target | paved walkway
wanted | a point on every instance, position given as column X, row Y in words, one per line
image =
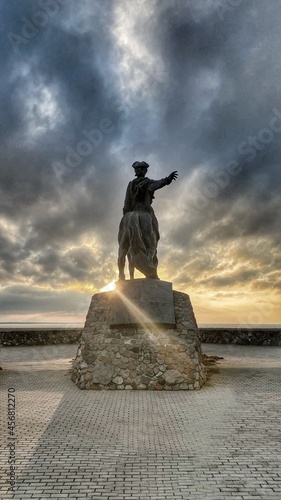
column 222, row 442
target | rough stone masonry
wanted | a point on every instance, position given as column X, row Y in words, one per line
column 140, row 356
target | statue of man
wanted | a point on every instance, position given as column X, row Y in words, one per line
column 140, row 192
column 139, row 232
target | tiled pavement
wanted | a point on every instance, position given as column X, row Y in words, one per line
column 222, row 442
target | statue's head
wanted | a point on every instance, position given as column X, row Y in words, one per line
column 140, row 168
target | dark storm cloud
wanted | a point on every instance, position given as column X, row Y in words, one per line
column 15, row 299
column 198, row 99
column 54, row 90
column 241, row 125
column 9, row 254
column 64, row 63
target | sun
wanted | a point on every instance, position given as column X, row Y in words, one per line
column 109, row 288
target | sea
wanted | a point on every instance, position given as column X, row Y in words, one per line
column 46, row 326
column 62, row 326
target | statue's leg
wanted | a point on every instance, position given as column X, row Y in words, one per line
column 121, row 266
column 155, row 259
column 131, row 265
column 151, row 250
column 122, row 252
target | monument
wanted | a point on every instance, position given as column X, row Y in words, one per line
column 142, row 335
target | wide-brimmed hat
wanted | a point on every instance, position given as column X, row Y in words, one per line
column 141, row 164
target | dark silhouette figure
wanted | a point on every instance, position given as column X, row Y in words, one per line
column 139, row 231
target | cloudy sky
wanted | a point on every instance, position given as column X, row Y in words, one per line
column 89, row 87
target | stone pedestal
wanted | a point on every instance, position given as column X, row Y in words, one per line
column 128, row 343
column 143, row 301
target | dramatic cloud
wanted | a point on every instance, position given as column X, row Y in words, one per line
column 89, row 87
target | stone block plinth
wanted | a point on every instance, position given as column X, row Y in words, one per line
column 143, row 302
column 154, row 355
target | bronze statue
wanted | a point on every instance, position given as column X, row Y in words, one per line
column 138, row 231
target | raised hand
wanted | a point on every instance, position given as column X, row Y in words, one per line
column 172, row 177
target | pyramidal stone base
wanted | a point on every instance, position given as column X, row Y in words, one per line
column 142, row 336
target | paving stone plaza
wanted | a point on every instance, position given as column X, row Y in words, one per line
column 222, row 442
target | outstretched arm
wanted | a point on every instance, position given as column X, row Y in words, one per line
column 154, row 185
